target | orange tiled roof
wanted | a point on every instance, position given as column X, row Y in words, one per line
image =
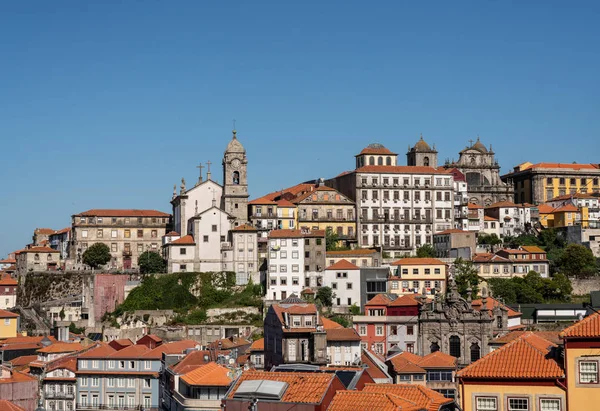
column 407, row 300
column 418, row 261
column 172, row 234
column 101, row 351
column 472, row 206
column 422, row 396
column 6, row 405
column 438, row 359
column 211, row 374
column 44, row 231
column 504, row 204
column 8, row 261
column 488, row 218
column 403, row 365
column 230, row 343
column 16, row 376
column 361, row 400
column 487, row 257
column 453, row 231
column 7, row 314
column 552, row 336
column 401, row 170
column 37, row 250
column 61, row 347
column 569, row 208
column 264, row 200
column 356, row 252
column 575, row 195
column 70, row 363
column 375, row 150
column 589, row 327
column 372, row 369
column 28, row 339
column 185, row 240
column 379, row 299
column 122, row 213
column 195, row 359
column 342, row 334
column 343, row 265
column 545, row 209
column 175, row 347
column 285, row 203
column 534, row 249
column 562, row 166
column 523, row 358
column 244, row 227
column 329, row 324
column 258, row 345
column 6, row 279
column 491, row 304
column 133, row 351
column 305, row 388
column 23, row 360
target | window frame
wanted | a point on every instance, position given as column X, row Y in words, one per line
column 490, row 397
column 585, row 360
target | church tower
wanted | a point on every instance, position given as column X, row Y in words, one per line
column 421, row 154
column 235, row 181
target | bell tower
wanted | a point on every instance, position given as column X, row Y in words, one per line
column 235, row 181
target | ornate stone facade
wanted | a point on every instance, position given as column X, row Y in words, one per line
column 235, row 181
column 482, row 172
column 454, row 326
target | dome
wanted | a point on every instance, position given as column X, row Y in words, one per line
column 421, row 145
column 234, row 145
column 375, row 145
column 479, row 146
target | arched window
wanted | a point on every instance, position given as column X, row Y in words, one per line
column 434, row 347
column 380, row 161
column 426, row 161
column 455, row 346
column 371, row 161
column 475, row 352
column 388, row 161
column 236, row 177
column 36, row 257
column 49, row 258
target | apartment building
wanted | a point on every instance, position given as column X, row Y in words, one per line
column 8, row 291
column 418, row 275
column 514, row 219
column 343, row 278
column 362, row 257
column 127, row 233
column 398, row 207
column 37, row 259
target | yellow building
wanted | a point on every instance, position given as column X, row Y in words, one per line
column 9, row 324
column 566, row 216
column 413, row 275
column 582, row 363
column 525, row 374
column 546, row 214
column 541, row 182
column 326, row 208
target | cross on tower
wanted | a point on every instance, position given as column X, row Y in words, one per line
column 208, row 163
column 200, row 166
column 470, row 142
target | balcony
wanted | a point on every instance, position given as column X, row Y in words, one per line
column 59, row 395
column 196, row 403
column 306, row 218
column 397, row 246
column 90, row 407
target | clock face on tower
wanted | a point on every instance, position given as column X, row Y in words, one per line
column 235, row 163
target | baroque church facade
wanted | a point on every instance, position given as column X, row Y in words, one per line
column 482, row 172
column 210, row 221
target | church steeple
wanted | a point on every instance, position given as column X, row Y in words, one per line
column 235, row 183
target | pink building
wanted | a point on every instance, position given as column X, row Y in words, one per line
column 109, row 292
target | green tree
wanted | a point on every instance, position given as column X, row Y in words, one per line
column 577, row 260
column 96, row 255
column 73, row 329
column 354, row 309
column 489, row 239
column 325, row 296
column 503, row 289
column 426, row 251
column 341, row 320
column 151, row 262
column 331, row 239
column 466, row 276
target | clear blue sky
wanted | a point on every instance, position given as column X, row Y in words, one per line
column 108, row 104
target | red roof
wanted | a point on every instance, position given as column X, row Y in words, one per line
column 567, row 166
column 211, row 374
column 244, row 227
column 44, row 231
column 545, row 209
column 438, row 359
column 343, row 265
column 491, row 304
column 285, row 203
column 356, row 252
column 69, row 363
column 375, row 150
column 7, row 314
column 61, row 347
column 552, row 336
column 172, row 234
column 372, row 369
column 175, row 347
column 23, row 360
column 258, row 345
column 569, row 208
column 453, row 231
column 185, row 240
column 505, row 204
column 6, row 405
column 102, row 351
column 329, row 324
column 37, row 250
column 424, row 397
column 6, row 279
column 122, row 213
column 305, row 388
column 401, row 170
column 361, row 400
column 526, row 357
column 407, row 300
column 472, row 206
column 342, row 334
column 8, row 261
column 418, row 261
column 589, row 327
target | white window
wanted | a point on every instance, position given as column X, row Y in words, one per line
column 550, row 404
column 111, row 382
column 84, row 233
column 146, row 382
column 295, row 244
column 379, row 330
column 147, row 401
column 113, row 233
column 84, row 381
column 362, row 330
column 295, row 268
column 83, row 364
column 95, row 381
column 394, row 285
column 84, row 400
column 7, row 321
column 284, row 254
column 588, row 372
column 147, row 365
column 94, row 363
column 295, row 254
column 518, row 404
column 111, row 364
column 486, row 404
column 130, row 382
column 121, row 382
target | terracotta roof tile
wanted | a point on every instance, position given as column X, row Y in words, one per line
column 16, row 376
column 23, row 360
column 407, row 300
column 360, row 400
column 196, row 359
column 285, row 203
column 401, row 170
column 6, row 405
column 185, row 240
column 211, row 374
column 293, row 309
column 589, row 327
column 7, row 314
column 552, row 336
column 258, row 345
column 306, row 388
column 504, row 204
column 545, row 209
column 422, row 396
column 175, row 347
column 375, row 150
column 264, row 200
column 172, row 234
column 21, row 346
column 569, row 208
column 8, row 261
column 487, row 257
column 525, row 357
column 453, row 231
column 533, row 249
column 372, row 369
column 567, row 166
column 418, row 261
column 37, row 250
column 343, row 265
column 575, row 195
column 44, row 231
column 491, row 304
column 379, row 299
column 472, row 206
column 438, row 359
column 342, row 334
column 329, row 324
column 122, row 213
column 488, row 218
column 6, row 279
column 101, row 351
column 61, row 347
column 244, row 227
column 69, row 363
column 403, row 365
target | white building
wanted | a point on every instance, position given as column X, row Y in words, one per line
column 514, row 219
column 491, row 225
column 193, row 201
column 210, row 230
column 398, row 207
column 343, row 278
column 461, row 200
column 181, row 255
column 476, row 217
column 286, row 264
column 343, row 346
column 244, row 250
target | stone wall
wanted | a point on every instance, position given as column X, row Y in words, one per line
column 35, row 288
column 215, row 312
column 583, row 286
